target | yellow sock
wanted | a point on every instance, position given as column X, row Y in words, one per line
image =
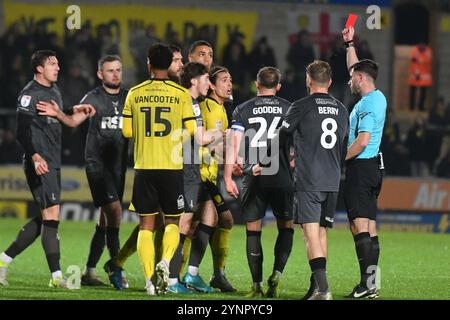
column 159, row 234
column 170, row 241
column 128, row 249
column 219, row 247
column 186, row 253
column 146, row 252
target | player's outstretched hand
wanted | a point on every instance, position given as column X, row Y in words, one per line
column 85, row 108
column 232, row 188
column 348, row 34
column 46, row 108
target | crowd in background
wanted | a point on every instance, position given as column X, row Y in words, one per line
column 422, row 149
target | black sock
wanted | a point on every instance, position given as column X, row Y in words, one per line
column 50, row 243
column 255, row 255
column 199, row 243
column 375, row 253
column 112, row 241
column 375, row 250
column 283, row 248
column 363, row 245
column 175, row 263
column 25, row 237
column 319, row 272
column 97, row 244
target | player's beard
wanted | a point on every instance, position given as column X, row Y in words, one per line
column 110, row 85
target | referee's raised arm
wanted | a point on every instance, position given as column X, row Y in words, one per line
column 352, row 58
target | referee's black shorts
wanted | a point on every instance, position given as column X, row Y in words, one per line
column 46, row 189
column 363, row 180
column 106, row 182
column 158, row 189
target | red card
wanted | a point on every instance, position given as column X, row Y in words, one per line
column 351, row 20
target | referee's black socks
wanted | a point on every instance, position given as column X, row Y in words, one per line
column 255, row 255
column 375, row 250
column 363, row 245
column 50, row 243
column 319, row 272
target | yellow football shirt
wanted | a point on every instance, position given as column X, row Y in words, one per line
column 155, row 113
column 214, row 118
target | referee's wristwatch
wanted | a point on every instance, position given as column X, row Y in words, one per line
column 349, row 44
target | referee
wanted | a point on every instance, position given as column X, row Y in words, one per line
column 364, row 176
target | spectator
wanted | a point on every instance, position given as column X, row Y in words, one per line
column 10, row 151
column 262, row 55
column 420, row 74
column 417, row 144
column 300, row 54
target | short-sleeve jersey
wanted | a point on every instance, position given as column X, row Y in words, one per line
column 319, row 123
column 259, row 119
column 158, row 108
column 104, row 138
column 369, row 115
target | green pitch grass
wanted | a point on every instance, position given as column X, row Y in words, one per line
column 413, row 266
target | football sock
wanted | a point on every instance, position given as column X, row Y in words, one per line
column 375, row 253
column 199, row 243
column 158, row 239
column 186, row 253
column 170, row 241
column 112, row 241
column 146, row 252
column 283, row 247
column 255, row 255
column 375, row 250
column 175, row 263
column 25, row 237
column 96, row 248
column 363, row 245
column 219, row 249
column 319, row 272
column 50, row 243
column 128, row 248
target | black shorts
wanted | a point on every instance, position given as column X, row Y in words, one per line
column 155, row 190
column 315, row 207
column 46, row 189
column 191, row 196
column 106, row 182
column 363, row 181
column 256, row 199
column 209, row 191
